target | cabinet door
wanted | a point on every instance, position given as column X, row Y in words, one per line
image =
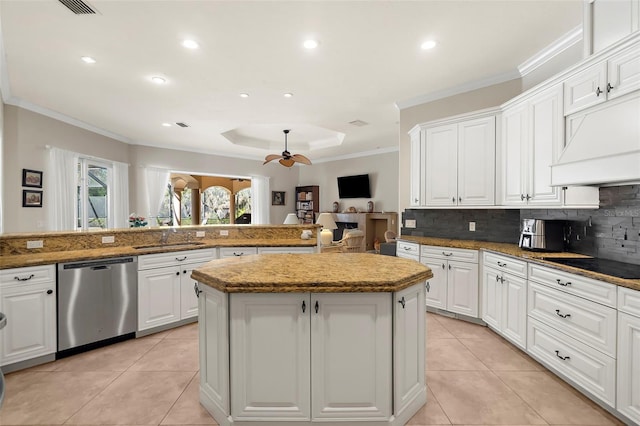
column 612, row 21
column 462, row 288
column 441, row 164
column 492, row 298
column 624, row 72
column 514, row 310
column 158, row 297
column 513, row 151
column 351, row 356
column 476, row 162
column 586, row 88
column 628, row 399
column 270, row 356
column 31, row 322
column 436, row 287
column 546, row 132
column 188, row 298
column 213, row 331
column 408, row 346
column 416, row 169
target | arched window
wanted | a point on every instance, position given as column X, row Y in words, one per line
column 216, row 205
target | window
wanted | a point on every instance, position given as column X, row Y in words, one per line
column 243, row 202
column 93, row 194
column 216, row 205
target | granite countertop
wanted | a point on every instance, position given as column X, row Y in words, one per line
column 320, row 273
column 531, row 256
column 46, row 258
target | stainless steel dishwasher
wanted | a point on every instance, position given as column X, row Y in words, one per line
column 97, row 303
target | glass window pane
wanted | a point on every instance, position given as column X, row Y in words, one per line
column 97, row 199
column 216, row 205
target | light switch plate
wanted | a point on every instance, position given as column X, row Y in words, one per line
column 472, row 226
column 410, row 223
column 199, row 234
column 108, row 239
column 224, row 232
column 35, row 244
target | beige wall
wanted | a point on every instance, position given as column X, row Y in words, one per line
column 487, row 97
column 2, row 169
column 555, row 65
column 383, row 180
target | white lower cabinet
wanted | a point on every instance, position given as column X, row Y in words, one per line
column 454, row 286
column 628, row 395
column 28, row 299
column 504, row 301
column 347, row 338
column 236, row 251
column 165, row 287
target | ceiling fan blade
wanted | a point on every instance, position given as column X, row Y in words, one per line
column 271, row 157
column 287, row 162
column 301, row 159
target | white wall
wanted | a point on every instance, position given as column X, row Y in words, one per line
column 2, row 169
column 383, row 179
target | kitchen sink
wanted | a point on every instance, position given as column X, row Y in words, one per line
column 168, row 246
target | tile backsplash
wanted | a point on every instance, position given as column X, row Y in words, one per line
column 610, row 232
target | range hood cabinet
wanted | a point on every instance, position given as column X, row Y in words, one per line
column 602, row 145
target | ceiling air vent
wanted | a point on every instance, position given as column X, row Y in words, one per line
column 78, row 7
column 358, row 123
column 182, row 124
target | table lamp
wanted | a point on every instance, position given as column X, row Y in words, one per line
column 291, row 219
column 328, row 225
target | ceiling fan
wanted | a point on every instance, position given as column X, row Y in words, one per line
column 286, row 159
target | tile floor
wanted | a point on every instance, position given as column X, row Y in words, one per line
column 474, row 377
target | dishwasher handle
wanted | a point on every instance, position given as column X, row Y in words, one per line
column 98, row 268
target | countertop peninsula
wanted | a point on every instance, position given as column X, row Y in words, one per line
column 320, row 273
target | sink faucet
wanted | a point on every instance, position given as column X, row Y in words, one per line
column 165, row 235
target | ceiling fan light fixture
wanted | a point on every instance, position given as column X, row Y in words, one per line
column 286, row 158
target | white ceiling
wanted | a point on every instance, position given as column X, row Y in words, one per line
column 368, row 59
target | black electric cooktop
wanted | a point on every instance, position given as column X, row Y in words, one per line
column 602, row 266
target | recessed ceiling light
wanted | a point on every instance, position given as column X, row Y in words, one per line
column 166, row 124
column 430, row 44
column 190, row 44
column 288, row 95
column 244, row 95
column 88, row 60
column 310, row 44
column 158, row 80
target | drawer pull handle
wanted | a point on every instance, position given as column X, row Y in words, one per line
column 317, row 306
column 407, row 248
column 502, row 265
column 24, row 279
column 238, row 254
column 443, row 266
column 447, row 254
column 180, row 259
column 428, row 286
column 304, row 307
column 564, row 358
column 402, row 302
column 562, row 316
column 497, row 278
column 563, row 284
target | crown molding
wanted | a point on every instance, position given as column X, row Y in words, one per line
column 545, row 55
column 456, row 90
column 357, row 155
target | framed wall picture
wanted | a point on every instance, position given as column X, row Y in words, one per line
column 31, row 198
column 277, row 198
column 32, row 178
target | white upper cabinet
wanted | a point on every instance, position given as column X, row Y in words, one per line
column 460, row 163
column 417, row 168
column 611, row 20
column 513, row 151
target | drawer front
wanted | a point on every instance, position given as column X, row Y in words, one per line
column 29, row 275
column 594, row 290
column 237, row 251
column 629, row 301
column 505, row 264
column 594, row 371
column 149, row 261
column 460, row 255
column 589, row 322
column 408, row 250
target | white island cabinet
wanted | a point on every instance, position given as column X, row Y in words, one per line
column 303, row 357
column 628, row 395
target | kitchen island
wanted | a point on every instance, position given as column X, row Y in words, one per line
column 312, row 338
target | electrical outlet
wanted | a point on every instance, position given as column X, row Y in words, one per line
column 224, row 232
column 109, row 239
column 199, row 234
column 35, row 244
column 472, row 226
column 410, row 223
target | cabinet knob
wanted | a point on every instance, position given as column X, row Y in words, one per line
column 402, row 302
column 598, row 91
column 497, row 278
column 428, row 286
column 49, row 291
column 521, row 197
column 449, row 267
column 197, row 290
column 443, row 266
column 453, row 199
column 178, row 273
column 304, row 307
column 415, row 200
column 528, row 197
column 317, row 306
column 609, row 87
column 184, row 272
column 459, row 199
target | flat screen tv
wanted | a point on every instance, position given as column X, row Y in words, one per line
column 354, row 186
